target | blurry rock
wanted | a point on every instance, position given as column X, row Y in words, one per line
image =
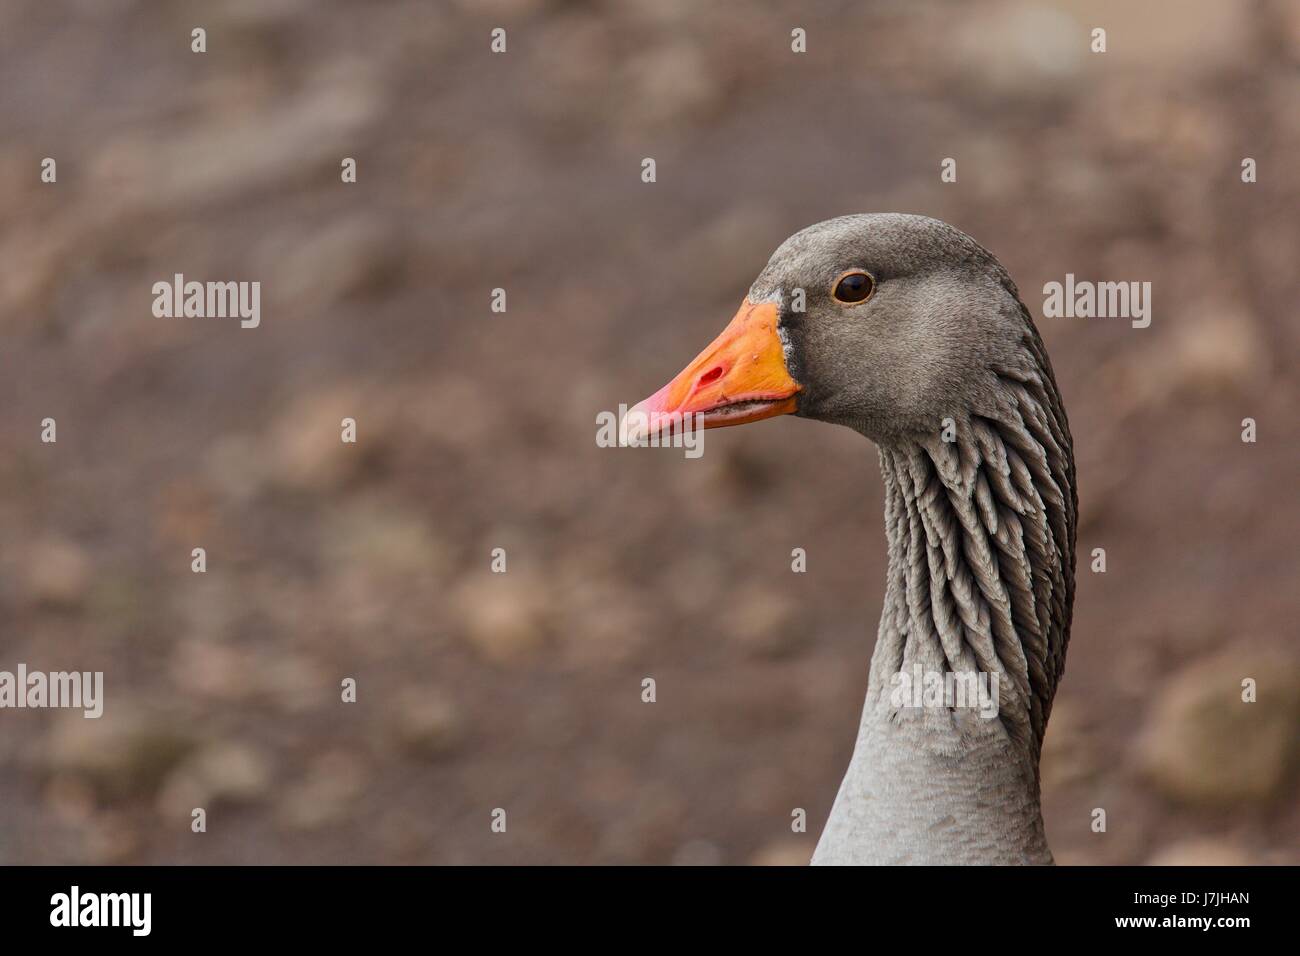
column 122, row 754
column 1217, row 352
column 220, row 772
column 1203, row 745
column 57, row 573
column 504, row 615
column 784, row 853
column 1220, row 352
column 305, row 447
column 764, row 622
column 426, row 723
column 325, row 796
column 1202, row 851
column 1018, row 49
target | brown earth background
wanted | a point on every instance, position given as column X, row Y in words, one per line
column 476, row 430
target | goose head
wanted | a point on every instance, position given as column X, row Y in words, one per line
column 885, row 323
column 908, row 331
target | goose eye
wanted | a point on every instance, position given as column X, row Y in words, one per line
column 854, row 287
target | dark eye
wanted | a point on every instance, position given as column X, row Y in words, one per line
column 854, row 287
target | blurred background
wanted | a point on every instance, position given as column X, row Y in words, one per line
column 476, row 430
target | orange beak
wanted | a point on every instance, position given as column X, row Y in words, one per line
column 741, row 377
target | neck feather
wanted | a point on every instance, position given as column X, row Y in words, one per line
column 981, row 534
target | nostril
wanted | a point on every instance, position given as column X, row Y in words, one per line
column 712, row 375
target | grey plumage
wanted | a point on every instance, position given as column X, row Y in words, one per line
column 981, row 530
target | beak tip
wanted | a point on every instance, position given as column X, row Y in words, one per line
column 635, row 425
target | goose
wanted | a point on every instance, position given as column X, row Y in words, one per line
column 906, row 330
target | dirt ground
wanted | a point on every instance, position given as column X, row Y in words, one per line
column 476, row 429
